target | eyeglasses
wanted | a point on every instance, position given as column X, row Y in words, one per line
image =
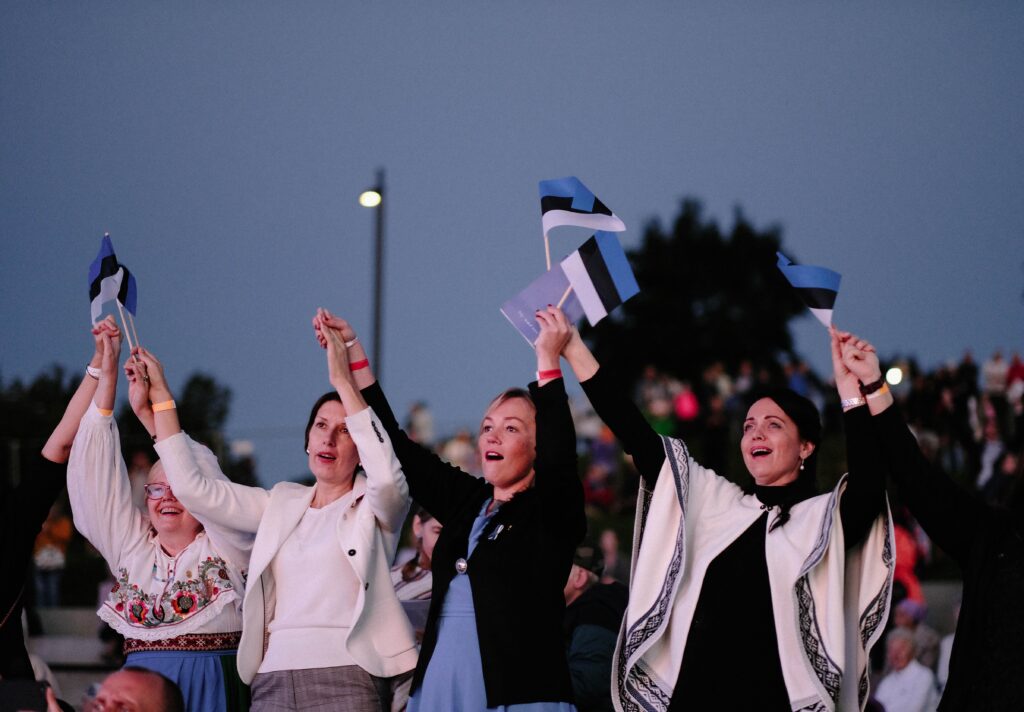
column 157, row 491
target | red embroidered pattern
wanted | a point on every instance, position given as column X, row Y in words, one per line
column 190, row 642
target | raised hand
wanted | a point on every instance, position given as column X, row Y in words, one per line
column 337, row 356
column 860, row 358
column 555, row 333
column 107, row 337
column 324, row 319
column 149, row 367
column 138, row 394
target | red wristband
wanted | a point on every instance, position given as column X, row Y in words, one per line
column 356, row 365
column 549, row 374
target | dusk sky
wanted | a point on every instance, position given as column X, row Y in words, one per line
column 223, row 146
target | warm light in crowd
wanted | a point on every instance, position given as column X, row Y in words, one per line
column 894, row 376
column 369, row 199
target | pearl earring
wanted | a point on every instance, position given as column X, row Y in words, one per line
column 801, row 463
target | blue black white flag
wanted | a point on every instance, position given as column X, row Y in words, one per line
column 600, row 275
column 817, row 286
column 128, row 293
column 566, row 201
column 104, row 278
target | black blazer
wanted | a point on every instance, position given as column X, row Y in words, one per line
column 518, row 577
column 22, row 513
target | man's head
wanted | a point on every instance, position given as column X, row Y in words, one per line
column 137, row 689
column 587, row 564
column 900, row 648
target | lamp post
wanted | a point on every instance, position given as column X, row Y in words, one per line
column 374, row 198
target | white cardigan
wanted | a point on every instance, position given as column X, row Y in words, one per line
column 380, row 640
column 830, row 604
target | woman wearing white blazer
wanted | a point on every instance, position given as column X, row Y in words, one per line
column 322, row 627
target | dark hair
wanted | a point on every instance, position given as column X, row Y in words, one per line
column 171, row 699
column 805, row 416
column 419, row 511
column 329, row 396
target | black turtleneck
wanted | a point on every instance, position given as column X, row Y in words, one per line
column 731, row 660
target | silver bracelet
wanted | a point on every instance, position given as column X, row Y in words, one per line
column 851, row 403
column 94, row 372
column 350, row 344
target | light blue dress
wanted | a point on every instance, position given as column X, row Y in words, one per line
column 454, row 678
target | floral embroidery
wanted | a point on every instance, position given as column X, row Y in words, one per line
column 182, row 599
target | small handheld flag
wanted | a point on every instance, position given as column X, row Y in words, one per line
column 817, row 286
column 600, row 275
column 104, row 278
column 566, row 201
column 128, row 293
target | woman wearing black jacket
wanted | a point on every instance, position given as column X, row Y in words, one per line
column 988, row 542
column 502, row 559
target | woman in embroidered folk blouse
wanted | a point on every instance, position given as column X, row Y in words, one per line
column 493, row 638
column 737, row 597
column 323, row 628
column 179, row 579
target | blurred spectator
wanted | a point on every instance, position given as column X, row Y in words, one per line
column 419, row 424
column 136, row 689
column 991, row 451
column 616, row 564
column 945, row 650
column 1000, row 490
column 460, row 451
column 50, row 556
column 909, row 615
column 908, row 686
column 908, row 551
column 593, row 615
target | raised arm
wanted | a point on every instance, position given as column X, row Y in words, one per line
column 617, row 411
column 435, row 484
column 386, row 490
column 58, row 446
column 854, row 362
column 197, row 481
column 557, row 477
column 98, row 486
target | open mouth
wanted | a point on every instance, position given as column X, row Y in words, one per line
column 760, row 452
column 325, row 457
column 493, row 456
column 169, row 511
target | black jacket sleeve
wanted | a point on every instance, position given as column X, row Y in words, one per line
column 22, row 513
column 435, row 484
column 626, row 421
column 948, row 514
column 864, row 497
column 556, row 476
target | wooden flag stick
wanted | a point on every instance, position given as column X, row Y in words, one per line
column 547, row 252
column 131, row 321
column 124, row 325
column 564, row 296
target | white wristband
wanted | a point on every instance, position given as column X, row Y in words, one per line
column 94, row 372
column 350, row 344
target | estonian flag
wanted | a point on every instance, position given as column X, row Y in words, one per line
column 817, row 286
column 600, row 275
column 104, row 278
column 110, row 280
column 566, row 201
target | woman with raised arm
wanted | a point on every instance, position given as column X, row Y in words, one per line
column 179, row 578
column 24, row 508
column 493, row 636
column 323, row 628
column 737, row 595
column 988, row 542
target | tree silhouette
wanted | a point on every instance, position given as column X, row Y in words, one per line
column 705, row 296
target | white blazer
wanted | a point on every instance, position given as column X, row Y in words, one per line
column 380, row 640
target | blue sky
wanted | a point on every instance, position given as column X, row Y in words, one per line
column 223, row 146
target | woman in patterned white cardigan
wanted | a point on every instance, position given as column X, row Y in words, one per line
column 179, row 579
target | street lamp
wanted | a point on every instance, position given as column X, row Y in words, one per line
column 374, row 198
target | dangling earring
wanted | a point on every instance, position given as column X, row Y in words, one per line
column 307, row 452
column 801, row 463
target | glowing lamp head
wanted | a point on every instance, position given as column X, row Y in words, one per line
column 370, row 198
column 894, row 376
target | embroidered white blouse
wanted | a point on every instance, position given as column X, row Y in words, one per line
column 155, row 595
